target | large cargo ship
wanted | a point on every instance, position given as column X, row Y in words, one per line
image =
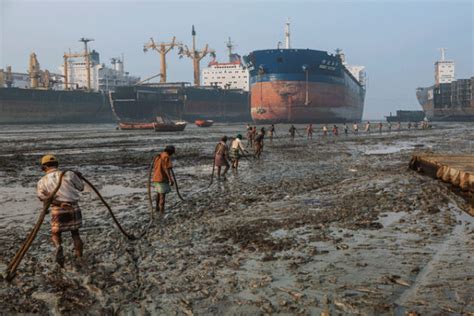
column 448, row 99
column 143, row 103
column 304, row 86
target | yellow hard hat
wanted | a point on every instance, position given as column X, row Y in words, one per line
column 48, row 158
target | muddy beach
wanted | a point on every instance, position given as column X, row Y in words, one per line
column 334, row 224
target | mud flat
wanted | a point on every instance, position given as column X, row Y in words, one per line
column 336, row 224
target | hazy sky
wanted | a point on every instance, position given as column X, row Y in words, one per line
column 397, row 41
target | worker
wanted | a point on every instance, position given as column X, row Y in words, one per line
column 221, row 156
column 65, row 211
column 409, row 125
column 292, row 131
column 335, row 130
column 236, row 151
column 367, row 127
column 355, row 128
column 346, row 129
column 259, row 143
column 249, row 135
column 399, row 126
column 162, row 177
column 325, row 130
column 271, row 133
column 380, row 127
column 309, row 131
column 389, row 127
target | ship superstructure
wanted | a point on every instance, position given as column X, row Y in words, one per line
column 448, row 99
column 228, row 75
column 304, row 86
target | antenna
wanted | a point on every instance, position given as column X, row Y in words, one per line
column 287, row 34
column 230, row 46
column 443, row 53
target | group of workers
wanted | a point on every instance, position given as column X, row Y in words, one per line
column 66, row 213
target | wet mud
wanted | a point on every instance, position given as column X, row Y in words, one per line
column 334, row 224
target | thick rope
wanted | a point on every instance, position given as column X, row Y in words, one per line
column 12, row 267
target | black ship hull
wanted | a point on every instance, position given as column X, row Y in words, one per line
column 142, row 104
column 35, row 106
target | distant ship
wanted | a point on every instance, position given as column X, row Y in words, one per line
column 406, row 116
column 448, row 99
column 304, row 86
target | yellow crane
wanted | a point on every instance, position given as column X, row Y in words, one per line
column 162, row 49
column 196, row 56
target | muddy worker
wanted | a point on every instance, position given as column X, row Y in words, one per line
column 335, row 130
column 367, row 127
column 162, row 178
column 271, row 133
column 65, row 212
column 249, row 135
column 325, row 130
column 346, row 129
column 236, row 151
column 292, row 131
column 380, row 127
column 221, row 156
column 309, row 131
column 259, row 143
column 355, row 127
column 409, row 125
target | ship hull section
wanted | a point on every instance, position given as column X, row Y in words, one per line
column 302, row 86
column 28, row 106
column 138, row 104
column 435, row 110
column 286, row 101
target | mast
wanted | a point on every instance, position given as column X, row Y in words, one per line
column 287, row 34
column 230, row 46
column 88, row 60
column 196, row 56
column 162, row 49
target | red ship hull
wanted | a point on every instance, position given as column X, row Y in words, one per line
column 301, row 102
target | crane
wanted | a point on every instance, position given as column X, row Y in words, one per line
column 88, row 60
column 162, row 49
column 196, row 56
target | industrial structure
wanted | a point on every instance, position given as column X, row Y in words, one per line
column 448, row 99
column 196, row 56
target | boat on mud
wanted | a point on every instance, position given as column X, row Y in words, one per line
column 204, row 123
column 164, row 124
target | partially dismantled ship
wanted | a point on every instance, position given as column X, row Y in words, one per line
column 448, row 99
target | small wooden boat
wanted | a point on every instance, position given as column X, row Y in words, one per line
column 133, row 126
column 204, row 123
column 164, row 124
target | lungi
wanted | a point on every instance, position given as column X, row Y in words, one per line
column 162, row 187
column 65, row 216
column 234, row 154
column 220, row 161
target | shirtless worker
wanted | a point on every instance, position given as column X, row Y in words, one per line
column 309, row 131
column 236, row 151
column 221, row 155
column 355, row 127
column 259, row 143
column 65, row 211
column 162, row 177
column 292, row 131
column 271, row 133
